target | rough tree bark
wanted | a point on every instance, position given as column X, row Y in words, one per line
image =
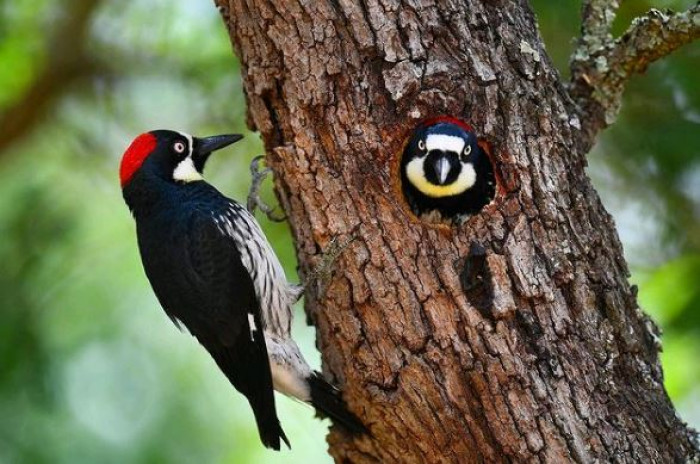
column 515, row 336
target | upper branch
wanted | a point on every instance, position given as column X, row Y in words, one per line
column 601, row 65
column 68, row 60
column 598, row 16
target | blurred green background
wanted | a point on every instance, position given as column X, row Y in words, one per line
column 90, row 369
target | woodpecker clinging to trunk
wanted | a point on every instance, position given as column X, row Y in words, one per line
column 214, row 272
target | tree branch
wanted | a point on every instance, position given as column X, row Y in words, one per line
column 68, row 61
column 598, row 16
column 601, row 65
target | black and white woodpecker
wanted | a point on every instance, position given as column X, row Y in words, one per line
column 213, row 271
column 445, row 170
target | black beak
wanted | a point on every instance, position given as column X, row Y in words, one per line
column 442, row 169
column 203, row 147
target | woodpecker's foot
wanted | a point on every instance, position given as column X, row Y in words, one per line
column 254, row 200
column 296, row 291
column 323, row 270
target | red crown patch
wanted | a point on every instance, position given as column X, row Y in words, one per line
column 135, row 155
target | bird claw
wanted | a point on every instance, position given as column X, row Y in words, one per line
column 254, row 199
column 296, row 291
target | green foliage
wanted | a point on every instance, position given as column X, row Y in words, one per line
column 92, row 371
column 21, row 48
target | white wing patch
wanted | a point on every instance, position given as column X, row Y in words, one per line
column 263, row 266
column 252, row 327
column 445, row 143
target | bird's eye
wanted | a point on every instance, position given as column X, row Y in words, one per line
column 179, row 147
column 465, row 154
column 421, row 145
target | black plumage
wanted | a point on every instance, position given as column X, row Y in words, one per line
column 197, row 274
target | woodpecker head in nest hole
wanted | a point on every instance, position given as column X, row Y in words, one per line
column 445, row 173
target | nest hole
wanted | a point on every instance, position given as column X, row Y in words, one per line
column 446, row 172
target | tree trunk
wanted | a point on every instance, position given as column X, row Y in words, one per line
column 512, row 337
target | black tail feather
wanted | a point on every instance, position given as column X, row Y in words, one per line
column 327, row 400
column 241, row 369
column 269, row 426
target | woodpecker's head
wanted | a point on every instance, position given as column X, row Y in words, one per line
column 159, row 164
column 443, row 168
column 171, row 156
column 439, row 158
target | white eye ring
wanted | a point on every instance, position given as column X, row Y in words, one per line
column 467, row 150
column 421, row 145
column 179, row 147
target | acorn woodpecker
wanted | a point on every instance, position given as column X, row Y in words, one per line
column 444, row 170
column 213, row 271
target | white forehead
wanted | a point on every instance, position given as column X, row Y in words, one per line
column 190, row 145
column 444, row 142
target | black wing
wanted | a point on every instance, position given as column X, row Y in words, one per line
column 222, row 323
